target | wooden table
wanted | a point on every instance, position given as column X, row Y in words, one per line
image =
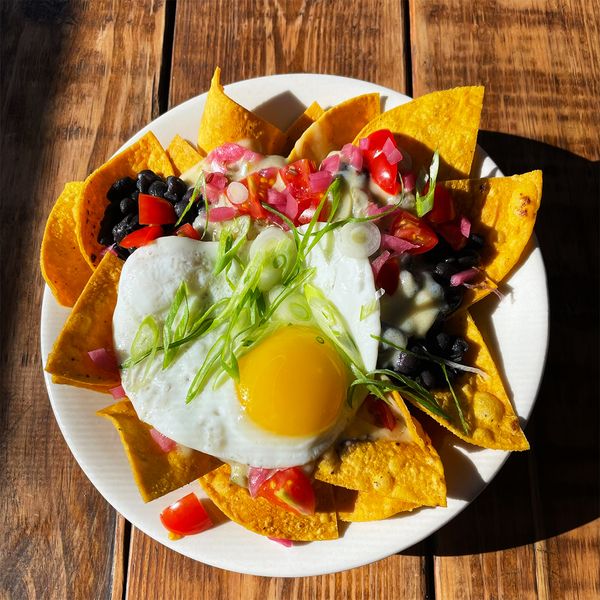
column 79, row 78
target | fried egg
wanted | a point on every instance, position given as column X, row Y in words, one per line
column 289, row 404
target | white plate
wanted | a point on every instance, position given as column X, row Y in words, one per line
column 519, row 324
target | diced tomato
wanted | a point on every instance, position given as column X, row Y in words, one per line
column 452, row 233
column 155, row 211
column 408, row 227
column 141, row 237
column 381, row 412
column 384, row 174
column 258, row 185
column 187, row 516
column 290, row 489
column 388, row 277
column 186, row 230
column 443, row 206
column 297, row 180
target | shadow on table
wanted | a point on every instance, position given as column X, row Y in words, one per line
column 555, row 487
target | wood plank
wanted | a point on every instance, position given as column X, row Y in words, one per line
column 277, row 36
column 253, row 40
column 539, row 61
column 541, row 68
column 155, row 571
column 78, row 79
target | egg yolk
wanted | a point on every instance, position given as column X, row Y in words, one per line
column 293, row 383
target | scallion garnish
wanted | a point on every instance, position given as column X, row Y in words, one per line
column 199, row 188
column 425, row 201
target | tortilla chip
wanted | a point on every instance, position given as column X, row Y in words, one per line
column 156, row 473
column 409, row 470
column 224, row 120
column 503, row 211
column 63, row 267
column 182, row 154
column 146, row 153
column 447, row 121
column 336, row 127
column 491, row 420
column 103, row 389
column 301, row 124
column 89, row 327
column 354, row 506
column 264, row 518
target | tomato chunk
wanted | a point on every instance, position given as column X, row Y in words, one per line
column 155, row 211
column 141, row 237
column 290, row 489
column 384, row 174
column 408, row 227
column 382, row 414
column 258, row 185
column 388, row 277
column 443, row 206
column 186, row 230
column 187, row 516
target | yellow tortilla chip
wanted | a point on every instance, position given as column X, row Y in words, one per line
column 182, row 154
column 156, row 473
column 301, row 124
column 146, row 153
column 354, row 505
column 503, row 211
column 446, row 121
column 336, row 127
column 409, row 470
column 224, row 120
column 103, row 389
column 490, row 417
column 89, row 327
column 63, row 267
column 264, row 518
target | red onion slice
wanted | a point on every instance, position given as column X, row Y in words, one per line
column 221, row 213
column 104, row 359
column 163, row 442
column 118, row 392
column 320, row 181
column 408, row 182
column 465, row 226
column 393, row 155
column 464, row 277
column 256, row 477
column 391, row 242
column 378, row 263
column 353, row 156
column 283, row 542
column 331, row 164
column 364, row 144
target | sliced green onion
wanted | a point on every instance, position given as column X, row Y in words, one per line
column 170, row 333
column 425, row 202
column 199, row 188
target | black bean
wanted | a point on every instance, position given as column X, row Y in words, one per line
column 125, row 227
column 144, row 180
column 128, row 206
column 120, row 189
column 454, row 297
column 180, row 207
column 442, row 341
column 157, row 188
column 123, row 253
column 459, row 348
column 134, row 195
column 475, row 241
column 188, row 194
column 406, row 363
column 105, row 239
column 171, row 197
column 468, row 259
column 176, row 186
column 446, row 268
column 428, row 379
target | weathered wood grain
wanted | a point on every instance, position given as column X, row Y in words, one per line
column 157, row 573
column 77, row 78
column 251, row 40
column 540, row 63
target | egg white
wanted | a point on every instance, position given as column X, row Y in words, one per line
column 215, row 422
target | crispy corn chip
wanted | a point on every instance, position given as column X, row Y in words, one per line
column 301, row 124
column 260, row 516
column 446, row 121
column 336, row 127
column 103, row 389
column 354, row 505
column 224, row 120
column 490, row 417
column 503, row 211
column 182, row 154
column 89, row 327
column 146, row 153
column 409, row 470
column 156, row 473
column 64, row 268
